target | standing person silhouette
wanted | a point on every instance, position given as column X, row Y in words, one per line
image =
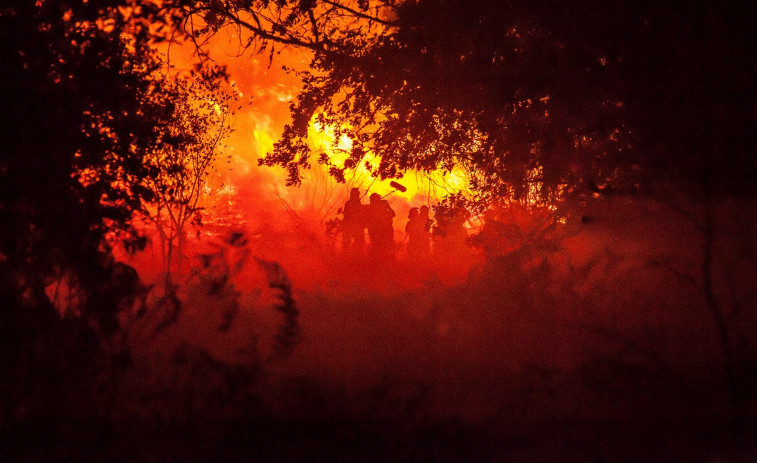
column 354, row 222
column 379, row 220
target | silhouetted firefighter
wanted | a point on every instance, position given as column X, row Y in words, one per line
column 353, row 224
column 379, row 215
column 417, row 228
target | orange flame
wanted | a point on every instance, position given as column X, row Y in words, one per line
column 259, row 121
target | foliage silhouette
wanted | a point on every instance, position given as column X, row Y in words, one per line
column 181, row 164
column 539, row 101
column 72, row 144
column 90, row 113
column 85, row 103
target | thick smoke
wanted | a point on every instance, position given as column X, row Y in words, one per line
column 592, row 340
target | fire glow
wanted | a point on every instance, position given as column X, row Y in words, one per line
column 257, row 126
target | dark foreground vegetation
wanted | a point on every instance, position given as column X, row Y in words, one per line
column 594, row 342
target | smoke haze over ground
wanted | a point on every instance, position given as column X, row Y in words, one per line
column 595, row 342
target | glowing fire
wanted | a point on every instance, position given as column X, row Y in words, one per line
column 265, row 92
column 421, row 188
column 322, row 193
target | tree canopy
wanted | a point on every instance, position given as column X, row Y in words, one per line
column 70, row 92
column 85, row 101
column 552, row 99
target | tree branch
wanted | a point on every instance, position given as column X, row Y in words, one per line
column 358, row 14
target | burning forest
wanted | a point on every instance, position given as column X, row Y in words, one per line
column 377, row 230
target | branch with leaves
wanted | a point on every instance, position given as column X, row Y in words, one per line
column 195, row 121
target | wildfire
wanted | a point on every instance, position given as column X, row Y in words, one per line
column 419, row 187
column 257, row 125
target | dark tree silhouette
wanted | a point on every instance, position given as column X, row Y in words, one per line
column 71, row 92
column 180, row 165
column 73, row 131
column 84, row 104
column 549, row 99
column 85, row 100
